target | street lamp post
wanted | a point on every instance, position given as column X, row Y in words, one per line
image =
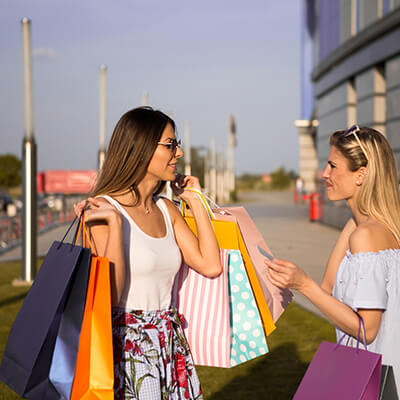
column 220, row 176
column 102, row 115
column 29, row 162
column 231, row 153
column 213, row 172
column 187, row 155
column 145, row 99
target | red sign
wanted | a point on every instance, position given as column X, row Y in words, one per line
column 66, row 182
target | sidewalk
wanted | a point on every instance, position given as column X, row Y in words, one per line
column 44, row 241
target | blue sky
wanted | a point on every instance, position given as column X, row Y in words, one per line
column 200, row 61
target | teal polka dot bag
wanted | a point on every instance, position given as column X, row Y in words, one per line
column 248, row 339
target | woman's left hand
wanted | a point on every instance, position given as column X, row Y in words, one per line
column 85, row 204
column 286, row 274
column 183, row 181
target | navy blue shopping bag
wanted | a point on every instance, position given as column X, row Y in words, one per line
column 65, row 353
column 28, row 354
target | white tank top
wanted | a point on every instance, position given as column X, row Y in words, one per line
column 151, row 263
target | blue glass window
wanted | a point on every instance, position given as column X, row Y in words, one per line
column 386, row 6
column 358, row 15
column 329, row 26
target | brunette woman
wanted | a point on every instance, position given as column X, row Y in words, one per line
column 145, row 238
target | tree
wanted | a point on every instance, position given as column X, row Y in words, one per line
column 281, row 179
column 10, row 170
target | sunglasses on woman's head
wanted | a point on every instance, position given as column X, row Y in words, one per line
column 172, row 145
column 353, row 131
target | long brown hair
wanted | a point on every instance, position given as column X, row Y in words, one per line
column 379, row 194
column 130, row 151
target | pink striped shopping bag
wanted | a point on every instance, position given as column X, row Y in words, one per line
column 205, row 302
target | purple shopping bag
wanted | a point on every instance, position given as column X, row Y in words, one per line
column 341, row 372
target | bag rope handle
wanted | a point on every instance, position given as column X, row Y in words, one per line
column 85, row 235
column 215, row 205
column 361, row 324
column 200, row 195
column 69, row 228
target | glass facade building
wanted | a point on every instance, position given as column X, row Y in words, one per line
column 350, row 72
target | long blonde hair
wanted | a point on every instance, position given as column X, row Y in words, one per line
column 132, row 145
column 379, row 194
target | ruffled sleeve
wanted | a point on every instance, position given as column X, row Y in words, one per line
column 370, row 271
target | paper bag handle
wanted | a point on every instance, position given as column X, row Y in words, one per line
column 85, row 235
column 183, row 206
column 361, row 324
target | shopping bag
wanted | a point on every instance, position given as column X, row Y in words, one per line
column 29, row 349
column 223, row 326
column 66, row 348
column 94, row 374
column 248, row 340
column 388, row 390
column 341, row 372
column 215, row 334
column 229, row 237
column 204, row 302
column 277, row 298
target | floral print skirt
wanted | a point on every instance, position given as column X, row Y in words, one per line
column 152, row 359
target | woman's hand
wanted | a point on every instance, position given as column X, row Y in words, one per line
column 286, row 274
column 97, row 210
column 183, row 181
column 83, row 205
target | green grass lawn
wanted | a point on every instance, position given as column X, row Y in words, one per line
column 274, row 376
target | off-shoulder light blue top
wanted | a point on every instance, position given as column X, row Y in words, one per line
column 372, row 280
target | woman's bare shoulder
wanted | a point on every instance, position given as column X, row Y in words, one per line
column 371, row 236
column 172, row 209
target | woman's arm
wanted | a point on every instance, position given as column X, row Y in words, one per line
column 286, row 274
column 337, row 254
column 105, row 230
column 201, row 252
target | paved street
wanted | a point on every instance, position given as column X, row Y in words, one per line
column 44, row 242
column 284, row 226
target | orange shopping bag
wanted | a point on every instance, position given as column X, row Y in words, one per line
column 94, row 371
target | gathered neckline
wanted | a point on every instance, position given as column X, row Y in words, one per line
column 366, row 253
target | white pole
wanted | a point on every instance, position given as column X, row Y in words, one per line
column 207, row 173
column 220, row 178
column 231, row 152
column 226, row 175
column 187, row 155
column 27, row 65
column 213, row 173
column 102, row 115
column 168, row 191
column 145, row 99
column 29, row 219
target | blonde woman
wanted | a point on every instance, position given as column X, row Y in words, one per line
column 363, row 271
column 145, row 238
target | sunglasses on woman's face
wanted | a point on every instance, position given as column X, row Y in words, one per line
column 173, row 144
